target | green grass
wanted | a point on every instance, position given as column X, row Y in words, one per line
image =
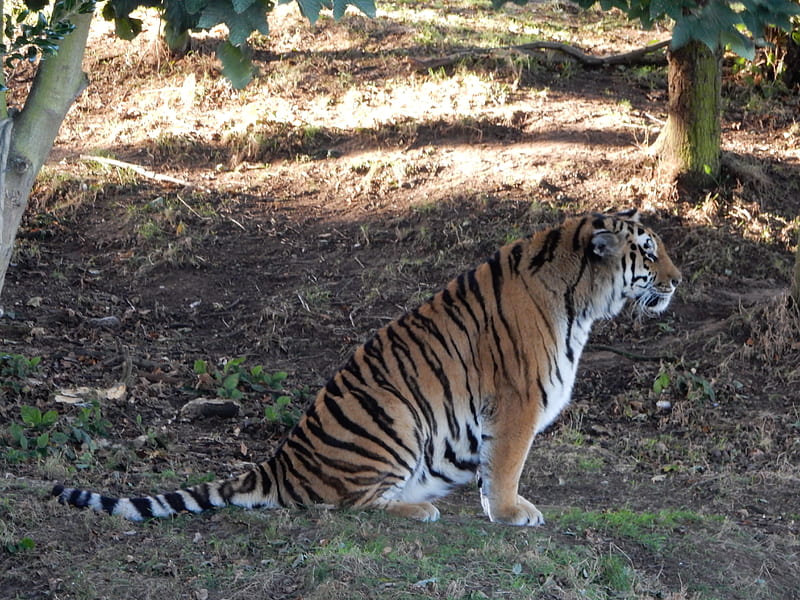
column 650, row 530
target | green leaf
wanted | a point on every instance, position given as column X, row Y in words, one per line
column 310, row 9
column 31, row 415
column 661, row 383
column 16, row 432
column 240, row 25
column 50, row 417
column 127, row 28
column 233, row 365
column 681, row 35
column 200, row 367
column 43, row 441
column 36, row 5
column 59, row 438
column 242, row 5
column 195, row 6
column 26, row 543
column 235, row 65
column 365, row 6
column 230, row 382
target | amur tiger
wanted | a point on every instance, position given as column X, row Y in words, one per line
column 458, row 386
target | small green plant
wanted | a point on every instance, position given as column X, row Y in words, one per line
column 32, row 437
column 40, row 434
column 21, row 545
column 16, row 365
column 687, row 383
column 14, row 369
column 234, row 380
column 282, row 412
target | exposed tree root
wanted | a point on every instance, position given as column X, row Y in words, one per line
column 646, row 55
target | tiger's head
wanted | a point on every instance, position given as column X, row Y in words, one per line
column 635, row 258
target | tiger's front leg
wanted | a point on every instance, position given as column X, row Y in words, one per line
column 502, row 459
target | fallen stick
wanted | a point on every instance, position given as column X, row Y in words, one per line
column 136, row 169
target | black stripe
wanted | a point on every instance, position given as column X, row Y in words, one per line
column 421, row 404
column 569, row 305
column 576, row 237
column 473, row 440
column 379, row 416
column 542, row 391
column 308, row 486
column 497, row 279
column 143, row 506
column 461, row 464
column 429, row 464
column 436, row 367
column 108, row 504
column 514, row 257
column 286, row 463
column 75, row 498
column 433, row 329
column 316, row 429
column 342, row 419
column 175, row 500
column 547, row 251
column 461, row 295
column 200, row 495
column 248, row 483
column 272, row 463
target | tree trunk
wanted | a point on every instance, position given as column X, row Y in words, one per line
column 796, row 278
column 791, row 61
column 58, row 81
column 688, row 147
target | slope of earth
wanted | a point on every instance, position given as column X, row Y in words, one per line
column 285, row 223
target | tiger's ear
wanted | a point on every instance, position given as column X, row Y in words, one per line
column 606, row 243
column 632, row 214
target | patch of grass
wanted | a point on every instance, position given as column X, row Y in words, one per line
column 268, row 140
column 591, row 465
column 649, row 530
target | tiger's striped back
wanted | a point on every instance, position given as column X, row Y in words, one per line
column 456, row 387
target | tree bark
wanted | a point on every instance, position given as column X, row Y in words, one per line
column 688, row 147
column 58, row 82
column 795, row 291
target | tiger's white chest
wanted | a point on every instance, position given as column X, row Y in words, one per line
column 558, row 384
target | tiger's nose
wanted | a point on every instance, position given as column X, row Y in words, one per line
column 676, row 281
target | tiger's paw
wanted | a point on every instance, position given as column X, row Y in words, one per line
column 522, row 513
column 421, row 511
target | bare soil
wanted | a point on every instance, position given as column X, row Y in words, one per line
column 344, row 187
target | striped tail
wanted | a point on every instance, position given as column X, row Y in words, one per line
column 252, row 489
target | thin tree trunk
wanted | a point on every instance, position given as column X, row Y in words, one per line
column 796, row 278
column 58, row 82
column 688, row 147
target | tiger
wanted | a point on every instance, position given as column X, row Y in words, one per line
column 453, row 390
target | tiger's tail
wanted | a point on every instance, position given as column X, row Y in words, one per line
column 255, row 488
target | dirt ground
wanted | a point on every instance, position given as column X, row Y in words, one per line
column 347, row 185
